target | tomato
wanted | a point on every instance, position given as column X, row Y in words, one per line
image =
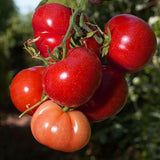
column 59, row 130
column 109, row 98
column 48, row 40
column 133, row 43
column 26, row 88
column 51, row 17
column 72, row 81
column 92, row 44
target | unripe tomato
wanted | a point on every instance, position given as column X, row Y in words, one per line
column 26, row 88
column 109, row 98
column 72, row 82
column 63, row 131
column 133, row 43
column 51, row 17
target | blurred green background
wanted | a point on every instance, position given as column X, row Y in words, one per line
column 133, row 134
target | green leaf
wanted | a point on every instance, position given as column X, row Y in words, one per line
column 42, row 2
column 68, row 3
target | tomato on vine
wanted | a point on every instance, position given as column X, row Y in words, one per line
column 72, row 81
column 64, row 131
column 133, row 43
column 109, row 98
column 26, row 88
column 49, row 27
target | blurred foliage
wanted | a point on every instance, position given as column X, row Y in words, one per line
column 131, row 135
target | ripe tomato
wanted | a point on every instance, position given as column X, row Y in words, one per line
column 109, row 98
column 48, row 40
column 64, row 131
column 92, row 44
column 72, row 81
column 133, row 43
column 51, row 17
column 50, row 22
column 26, row 88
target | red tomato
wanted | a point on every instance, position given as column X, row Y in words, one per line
column 64, row 131
column 50, row 22
column 51, row 17
column 133, row 43
column 47, row 40
column 72, row 81
column 109, row 98
column 92, row 44
column 26, row 88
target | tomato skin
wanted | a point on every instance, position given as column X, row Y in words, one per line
column 109, row 98
column 47, row 40
column 72, row 81
column 50, row 22
column 92, row 44
column 26, row 88
column 133, row 43
column 63, row 131
column 51, row 17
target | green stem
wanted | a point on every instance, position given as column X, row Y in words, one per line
column 81, row 8
column 65, row 109
column 86, row 27
column 42, row 59
column 37, row 104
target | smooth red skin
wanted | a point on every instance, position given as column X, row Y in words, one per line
column 51, row 17
column 133, row 43
column 26, row 88
column 109, row 98
column 63, row 131
column 72, row 81
column 91, row 43
column 48, row 40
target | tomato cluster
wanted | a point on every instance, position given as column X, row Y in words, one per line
column 76, row 87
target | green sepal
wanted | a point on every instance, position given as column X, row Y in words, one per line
column 42, row 2
column 106, row 43
column 55, row 56
column 68, row 3
column 32, row 50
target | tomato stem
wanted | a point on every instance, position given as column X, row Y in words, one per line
column 66, row 109
column 37, row 104
column 81, row 7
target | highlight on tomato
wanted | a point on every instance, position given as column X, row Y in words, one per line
column 64, row 131
column 26, row 88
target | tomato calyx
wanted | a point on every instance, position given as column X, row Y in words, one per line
column 34, row 54
column 106, row 43
column 66, row 109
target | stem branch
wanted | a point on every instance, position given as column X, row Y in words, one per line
column 37, row 104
